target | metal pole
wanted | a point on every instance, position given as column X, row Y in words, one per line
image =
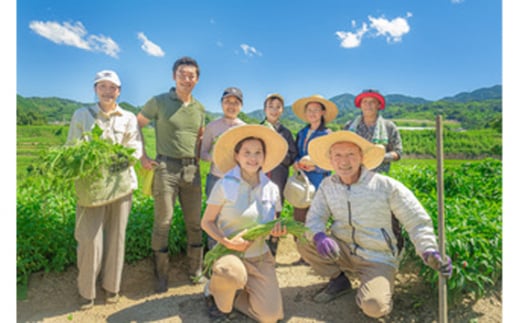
column 443, row 292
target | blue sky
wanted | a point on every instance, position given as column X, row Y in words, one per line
column 428, row 49
column 418, row 48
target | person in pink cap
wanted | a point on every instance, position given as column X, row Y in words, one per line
column 374, row 128
column 231, row 101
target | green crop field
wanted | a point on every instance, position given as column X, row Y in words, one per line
column 473, row 211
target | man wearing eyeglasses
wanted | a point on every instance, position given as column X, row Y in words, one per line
column 179, row 124
column 374, row 128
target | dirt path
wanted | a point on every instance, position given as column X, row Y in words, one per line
column 53, row 298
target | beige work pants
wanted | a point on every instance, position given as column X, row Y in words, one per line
column 100, row 233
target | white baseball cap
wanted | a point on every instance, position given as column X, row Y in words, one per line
column 107, row 75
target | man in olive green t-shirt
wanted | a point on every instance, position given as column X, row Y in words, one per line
column 179, row 125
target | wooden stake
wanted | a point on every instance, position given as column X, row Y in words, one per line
column 443, row 292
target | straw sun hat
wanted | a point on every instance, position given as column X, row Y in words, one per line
column 331, row 110
column 224, row 150
column 319, row 149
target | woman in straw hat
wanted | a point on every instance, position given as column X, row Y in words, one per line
column 316, row 111
column 244, row 197
column 362, row 241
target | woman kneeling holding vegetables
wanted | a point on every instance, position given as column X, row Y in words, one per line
column 244, row 198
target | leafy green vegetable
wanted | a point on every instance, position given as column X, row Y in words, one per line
column 295, row 228
column 85, row 158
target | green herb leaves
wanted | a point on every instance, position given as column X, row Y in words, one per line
column 85, row 158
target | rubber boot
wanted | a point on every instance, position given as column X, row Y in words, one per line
column 195, row 257
column 162, row 266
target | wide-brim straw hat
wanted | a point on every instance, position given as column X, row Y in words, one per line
column 224, row 150
column 331, row 110
column 319, row 149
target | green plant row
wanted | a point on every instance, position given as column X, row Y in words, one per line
column 473, row 221
column 473, row 211
column 457, row 144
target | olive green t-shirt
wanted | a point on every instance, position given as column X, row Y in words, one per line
column 176, row 124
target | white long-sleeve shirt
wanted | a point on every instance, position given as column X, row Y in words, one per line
column 362, row 216
column 119, row 126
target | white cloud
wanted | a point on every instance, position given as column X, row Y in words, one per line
column 457, row 1
column 104, row 44
column 352, row 40
column 393, row 30
column 76, row 35
column 250, row 50
column 149, row 47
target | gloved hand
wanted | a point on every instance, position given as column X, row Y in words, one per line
column 434, row 260
column 389, row 157
column 326, row 246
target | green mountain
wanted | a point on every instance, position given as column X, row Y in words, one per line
column 38, row 110
column 476, row 109
column 494, row 92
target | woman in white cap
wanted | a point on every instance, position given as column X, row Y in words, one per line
column 100, row 230
column 316, row 111
column 244, row 197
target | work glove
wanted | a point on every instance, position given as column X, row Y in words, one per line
column 434, row 260
column 326, row 246
column 389, row 157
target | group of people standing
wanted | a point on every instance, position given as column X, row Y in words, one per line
column 353, row 220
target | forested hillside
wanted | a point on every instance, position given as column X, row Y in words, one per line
column 478, row 109
column 36, row 110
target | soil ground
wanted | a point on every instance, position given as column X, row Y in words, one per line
column 53, row 297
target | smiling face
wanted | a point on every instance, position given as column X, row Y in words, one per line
column 250, row 155
column 370, row 107
column 107, row 93
column 273, row 110
column 186, row 77
column 231, row 107
column 346, row 159
column 314, row 111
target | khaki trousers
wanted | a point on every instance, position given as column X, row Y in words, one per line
column 100, row 233
column 374, row 295
column 169, row 183
column 261, row 298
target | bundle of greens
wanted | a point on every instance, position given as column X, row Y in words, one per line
column 297, row 229
column 85, row 159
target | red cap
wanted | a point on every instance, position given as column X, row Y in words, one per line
column 371, row 94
